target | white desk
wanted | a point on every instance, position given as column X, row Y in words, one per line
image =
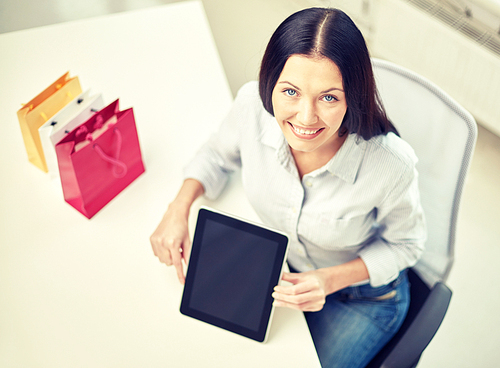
column 90, row 293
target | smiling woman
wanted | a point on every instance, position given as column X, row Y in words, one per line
column 330, row 35
column 321, row 162
column 310, row 110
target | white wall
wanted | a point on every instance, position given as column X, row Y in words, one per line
column 251, row 24
column 395, row 31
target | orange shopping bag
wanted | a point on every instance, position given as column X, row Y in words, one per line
column 40, row 109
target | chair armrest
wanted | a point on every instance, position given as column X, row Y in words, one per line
column 422, row 329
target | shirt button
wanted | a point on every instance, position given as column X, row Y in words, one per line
column 294, row 210
column 309, row 183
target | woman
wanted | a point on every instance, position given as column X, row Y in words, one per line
column 321, row 162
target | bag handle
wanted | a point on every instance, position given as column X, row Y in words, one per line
column 43, row 115
column 119, row 168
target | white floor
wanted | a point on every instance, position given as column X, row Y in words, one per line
column 470, row 333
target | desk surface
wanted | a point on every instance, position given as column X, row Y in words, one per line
column 90, row 293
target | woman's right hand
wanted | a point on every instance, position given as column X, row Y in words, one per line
column 170, row 241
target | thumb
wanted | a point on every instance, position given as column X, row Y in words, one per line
column 291, row 277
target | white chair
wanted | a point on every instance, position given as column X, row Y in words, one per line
column 443, row 135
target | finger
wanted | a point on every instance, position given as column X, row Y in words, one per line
column 303, row 285
column 160, row 250
column 175, row 253
column 295, row 277
column 162, row 253
column 186, row 251
column 304, row 307
column 283, row 304
column 312, row 300
column 287, row 278
column 298, row 299
column 291, row 277
column 164, row 256
column 155, row 244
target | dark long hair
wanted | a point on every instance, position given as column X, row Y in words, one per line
column 320, row 32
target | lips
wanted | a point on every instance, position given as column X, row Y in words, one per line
column 305, row 133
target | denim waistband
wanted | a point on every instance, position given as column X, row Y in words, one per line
column 367, row 290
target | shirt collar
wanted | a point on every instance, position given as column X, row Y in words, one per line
column 347, row 161
column 272, row 136
column 345, row 164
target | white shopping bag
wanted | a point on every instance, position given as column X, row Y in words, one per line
column 72, row 115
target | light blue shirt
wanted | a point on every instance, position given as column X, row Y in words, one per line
column 363, row 203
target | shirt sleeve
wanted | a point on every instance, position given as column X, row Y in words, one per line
column 402, row 231
column 220, row 156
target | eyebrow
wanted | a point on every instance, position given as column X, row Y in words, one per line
column 325, row 91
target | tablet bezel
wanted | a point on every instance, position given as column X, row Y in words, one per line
column 281, row 239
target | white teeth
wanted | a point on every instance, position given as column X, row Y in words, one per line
column 302, row 131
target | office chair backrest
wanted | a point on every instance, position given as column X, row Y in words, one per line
column 443, row 135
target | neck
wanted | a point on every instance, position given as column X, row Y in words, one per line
column 307, row 162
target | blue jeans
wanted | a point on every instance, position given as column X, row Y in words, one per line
column 356, row 322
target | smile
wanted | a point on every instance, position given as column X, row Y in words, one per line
column 309, row 133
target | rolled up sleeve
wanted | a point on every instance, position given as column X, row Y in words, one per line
column 221, row 155
column 402, row 231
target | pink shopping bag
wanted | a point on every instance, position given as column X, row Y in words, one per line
column 99, row 158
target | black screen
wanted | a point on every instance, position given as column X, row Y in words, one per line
column 233, row 270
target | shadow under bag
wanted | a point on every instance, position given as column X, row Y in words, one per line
column 99, row 158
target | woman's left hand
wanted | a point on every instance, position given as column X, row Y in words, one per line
column 310, row 289
column 308, row 292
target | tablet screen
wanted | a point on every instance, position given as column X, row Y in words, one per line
column 232, row 271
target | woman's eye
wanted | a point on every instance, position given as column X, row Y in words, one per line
column 329, row 98
column 290, row 92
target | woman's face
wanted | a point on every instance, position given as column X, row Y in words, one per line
column 309, row 104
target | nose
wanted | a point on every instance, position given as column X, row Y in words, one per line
column 307, row 114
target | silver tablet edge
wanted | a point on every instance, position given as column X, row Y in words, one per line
column 268, row 329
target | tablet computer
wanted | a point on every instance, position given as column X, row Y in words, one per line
column 233, row 269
